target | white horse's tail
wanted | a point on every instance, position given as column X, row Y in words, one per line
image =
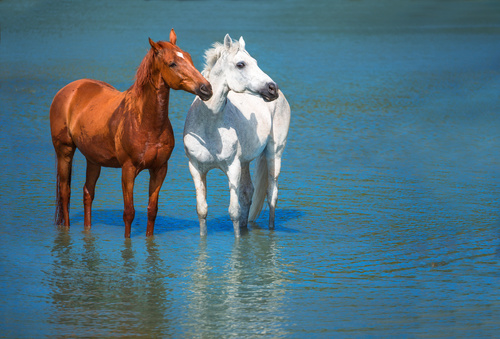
column 260, row 187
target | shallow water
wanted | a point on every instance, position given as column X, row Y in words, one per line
column 388, row 218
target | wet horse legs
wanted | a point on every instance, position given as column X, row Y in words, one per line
column 157, row 176
column 200, row 184
column 64, row 163
column 129, row 173
column 93, row 172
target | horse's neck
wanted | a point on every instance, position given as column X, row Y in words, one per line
column 152, row 103
column 217, row 102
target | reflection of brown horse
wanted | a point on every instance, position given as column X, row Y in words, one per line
column 127, row 129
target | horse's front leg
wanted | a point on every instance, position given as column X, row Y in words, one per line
column 129, row 173
column 157, row 176
column 234, row 178
column 200, row 184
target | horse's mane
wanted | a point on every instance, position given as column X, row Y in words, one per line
column 213, row 54
column 144, row 74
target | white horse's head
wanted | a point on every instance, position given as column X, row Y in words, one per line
column 239, row 70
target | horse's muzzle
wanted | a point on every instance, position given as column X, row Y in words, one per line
column 204, row 92
column 270, row 92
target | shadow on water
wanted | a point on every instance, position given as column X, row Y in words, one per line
column 166, row 224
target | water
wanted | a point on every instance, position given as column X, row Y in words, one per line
column 388, row 219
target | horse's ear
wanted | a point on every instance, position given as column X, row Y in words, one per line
column 173, row 37
column 242, row 43
column 228, row 42
column 154, row 45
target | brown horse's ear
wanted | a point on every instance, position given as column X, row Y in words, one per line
column 173, row 37
column 154, row 45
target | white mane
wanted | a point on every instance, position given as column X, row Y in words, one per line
column 213, row 54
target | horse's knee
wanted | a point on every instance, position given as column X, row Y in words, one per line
column 152, row 212
column 234, row 212
column 128, row 214
column 202, row 209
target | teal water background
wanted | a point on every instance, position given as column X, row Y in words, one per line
column 388, row 217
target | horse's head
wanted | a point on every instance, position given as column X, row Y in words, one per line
column 241, row 72
column 177, row 69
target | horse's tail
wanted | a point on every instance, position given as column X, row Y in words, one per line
column 260, row 187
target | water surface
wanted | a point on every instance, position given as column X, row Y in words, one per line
column 388, row 218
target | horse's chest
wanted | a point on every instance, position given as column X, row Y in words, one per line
column 218, row 145
column 148, row 152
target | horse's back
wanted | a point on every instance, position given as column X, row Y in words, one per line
column 77, row 95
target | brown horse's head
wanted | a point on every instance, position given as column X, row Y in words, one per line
column 177, row 69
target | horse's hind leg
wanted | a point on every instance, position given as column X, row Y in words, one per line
column 273, row 168
column 200, row 184
column 93, row 172
column 64, row 166
column 245, row 193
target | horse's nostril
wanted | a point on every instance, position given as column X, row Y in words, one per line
column 272, row 88
column 206, row 89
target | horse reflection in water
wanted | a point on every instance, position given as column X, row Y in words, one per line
column 244, row 292
column 246, row 118
column 128, row 130
column 91, row 286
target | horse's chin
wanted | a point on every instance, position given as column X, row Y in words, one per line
column 204, row 97
column 269, row 98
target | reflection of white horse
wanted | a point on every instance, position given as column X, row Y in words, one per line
column 247, row 117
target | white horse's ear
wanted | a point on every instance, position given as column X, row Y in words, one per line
column 242, row 43
column 228, row 42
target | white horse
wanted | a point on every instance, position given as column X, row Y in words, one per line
column 246, row 118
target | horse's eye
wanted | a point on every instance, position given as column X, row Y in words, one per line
column 240, row 64
column 172, row 64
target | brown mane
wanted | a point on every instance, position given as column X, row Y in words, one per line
column 144, row 72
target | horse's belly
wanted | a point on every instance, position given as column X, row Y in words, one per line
column 97, row 151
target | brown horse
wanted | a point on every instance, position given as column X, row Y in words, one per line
column 127, row 129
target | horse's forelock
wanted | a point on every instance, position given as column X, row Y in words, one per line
column 213, row 54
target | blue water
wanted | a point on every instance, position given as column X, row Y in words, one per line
column 388, row 217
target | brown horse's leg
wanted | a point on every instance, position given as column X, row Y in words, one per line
column 157, row 176
column 129, row 173
column 64, row 163
column 93, row 172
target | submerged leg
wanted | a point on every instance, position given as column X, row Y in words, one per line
column 129, row 173
column 274, row 168
column 93, row 172
column 234, row 177
column 245, row 193
column 64, row 166
column 200, row 183
column 157, row 176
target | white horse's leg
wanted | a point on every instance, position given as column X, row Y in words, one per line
column 234, row 178
column 274, row 168
column 245, row 193
column 200, row 183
